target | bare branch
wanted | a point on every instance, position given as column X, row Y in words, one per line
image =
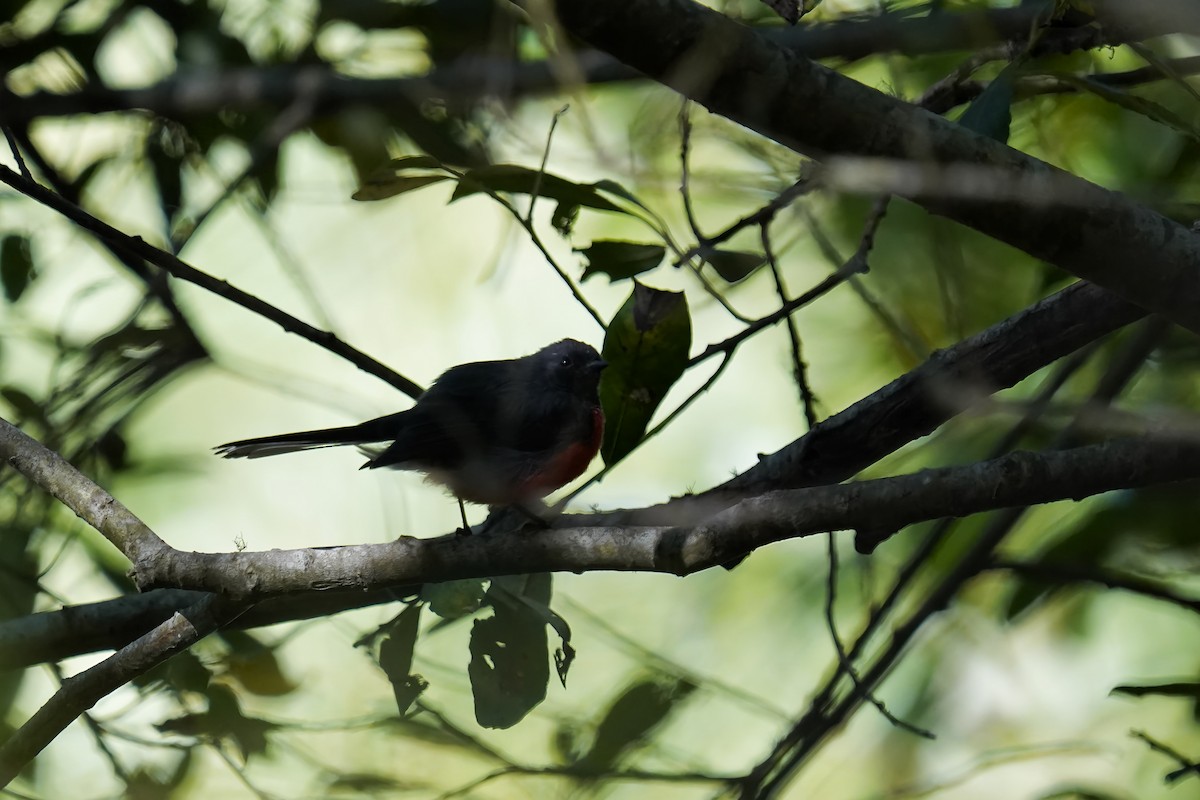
column 135, row 246
column 94, row 506
column 742, row 75
column 590, row 542
column 80, row 692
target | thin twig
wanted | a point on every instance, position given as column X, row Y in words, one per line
column 919, row 558
column 804, row 185
column 685, row 141
column 1187, row 765
column 808, row 400
column 851, row 267
column 769, row 777
column 82, row 691
column 16, row 152
column 844, row 660
column 138, row 248
column 537, row 181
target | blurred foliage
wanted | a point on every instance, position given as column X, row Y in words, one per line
column 930, row 284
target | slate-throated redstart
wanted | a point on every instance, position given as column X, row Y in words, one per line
column 494, row 432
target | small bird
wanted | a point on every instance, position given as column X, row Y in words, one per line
column 492, row 432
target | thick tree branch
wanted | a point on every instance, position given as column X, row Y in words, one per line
column 919, row 401
column 79, row 693
column 742, row 75
column 458, row 85
column 579, row 544
column 111, row 624
column 883, row 505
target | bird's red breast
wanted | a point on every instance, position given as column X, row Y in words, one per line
column 567, row 464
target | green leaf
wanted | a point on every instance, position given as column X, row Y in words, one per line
column 640, row 709
column 620, row 260
column 1189, row 690
column 183, row 672
column 373, row 190
column 16, row 266
column 646, row 348
column 516, row 179
column 454, row 599
column 535, row 594
column 396, row 657
column 253, row 665
column 563, row 218
column 1155, row 517
column 1132, row 102
column 991, row 112
column 614, row 188
column 223, row 720
column 732, row 265
column 26, row 407
column 400, row 175
column 509, row 668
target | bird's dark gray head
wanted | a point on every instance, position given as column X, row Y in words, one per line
column 571, row 365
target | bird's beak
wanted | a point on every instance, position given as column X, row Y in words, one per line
column 597, row 365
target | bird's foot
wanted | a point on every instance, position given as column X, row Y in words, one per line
column 516, row 517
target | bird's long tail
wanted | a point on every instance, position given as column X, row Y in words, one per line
column 375, row 430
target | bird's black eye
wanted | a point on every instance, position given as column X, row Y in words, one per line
column 566, row 361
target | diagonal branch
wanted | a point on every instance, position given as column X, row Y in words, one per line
column 133, row 246
column 80, row 692
column 744, row 76
column 94, row 506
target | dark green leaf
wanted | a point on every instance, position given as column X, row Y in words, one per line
column 16, row 266
column 563, row 218
column 26, row 407
column 400, row 175
column 183, row 673
column 223, row 720
column 646, row 348
column 509, row 668
column 112, row 447
column 396, row 657
column 991, row 112
column 454, row 599
column 1190, row 690
column 612, row 187
column 566, row 743
column 641, row 708
column 538, row 586
column 620, row 260
column 146, row 784
column 253, row 665
column 531, row 594
column 515, row 179
column 382, row 189
column 732, row 265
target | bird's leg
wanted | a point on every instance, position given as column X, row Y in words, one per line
column 465, row 530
